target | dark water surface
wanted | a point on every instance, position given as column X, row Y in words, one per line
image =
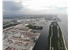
column 42, row 41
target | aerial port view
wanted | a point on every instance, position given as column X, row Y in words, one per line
column 23, row 34
column 20, row 37
column 35, row 25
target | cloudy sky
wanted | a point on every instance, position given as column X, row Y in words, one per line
column 34, row 6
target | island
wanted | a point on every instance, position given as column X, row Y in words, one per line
column 56, row 39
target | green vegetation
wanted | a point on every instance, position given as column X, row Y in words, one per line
column 8, row 25
column 53, row 38
column 62, row 46
column 35, row 27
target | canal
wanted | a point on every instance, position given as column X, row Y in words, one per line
column 43, row 39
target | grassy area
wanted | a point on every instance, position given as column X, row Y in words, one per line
column 55, row 38
column 62, row 46
column 35, row 27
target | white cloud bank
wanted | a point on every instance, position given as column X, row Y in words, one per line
column 42, row 6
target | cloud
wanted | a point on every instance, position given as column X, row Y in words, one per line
column 34, row 7
column 44, row 4
column 11, row 6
